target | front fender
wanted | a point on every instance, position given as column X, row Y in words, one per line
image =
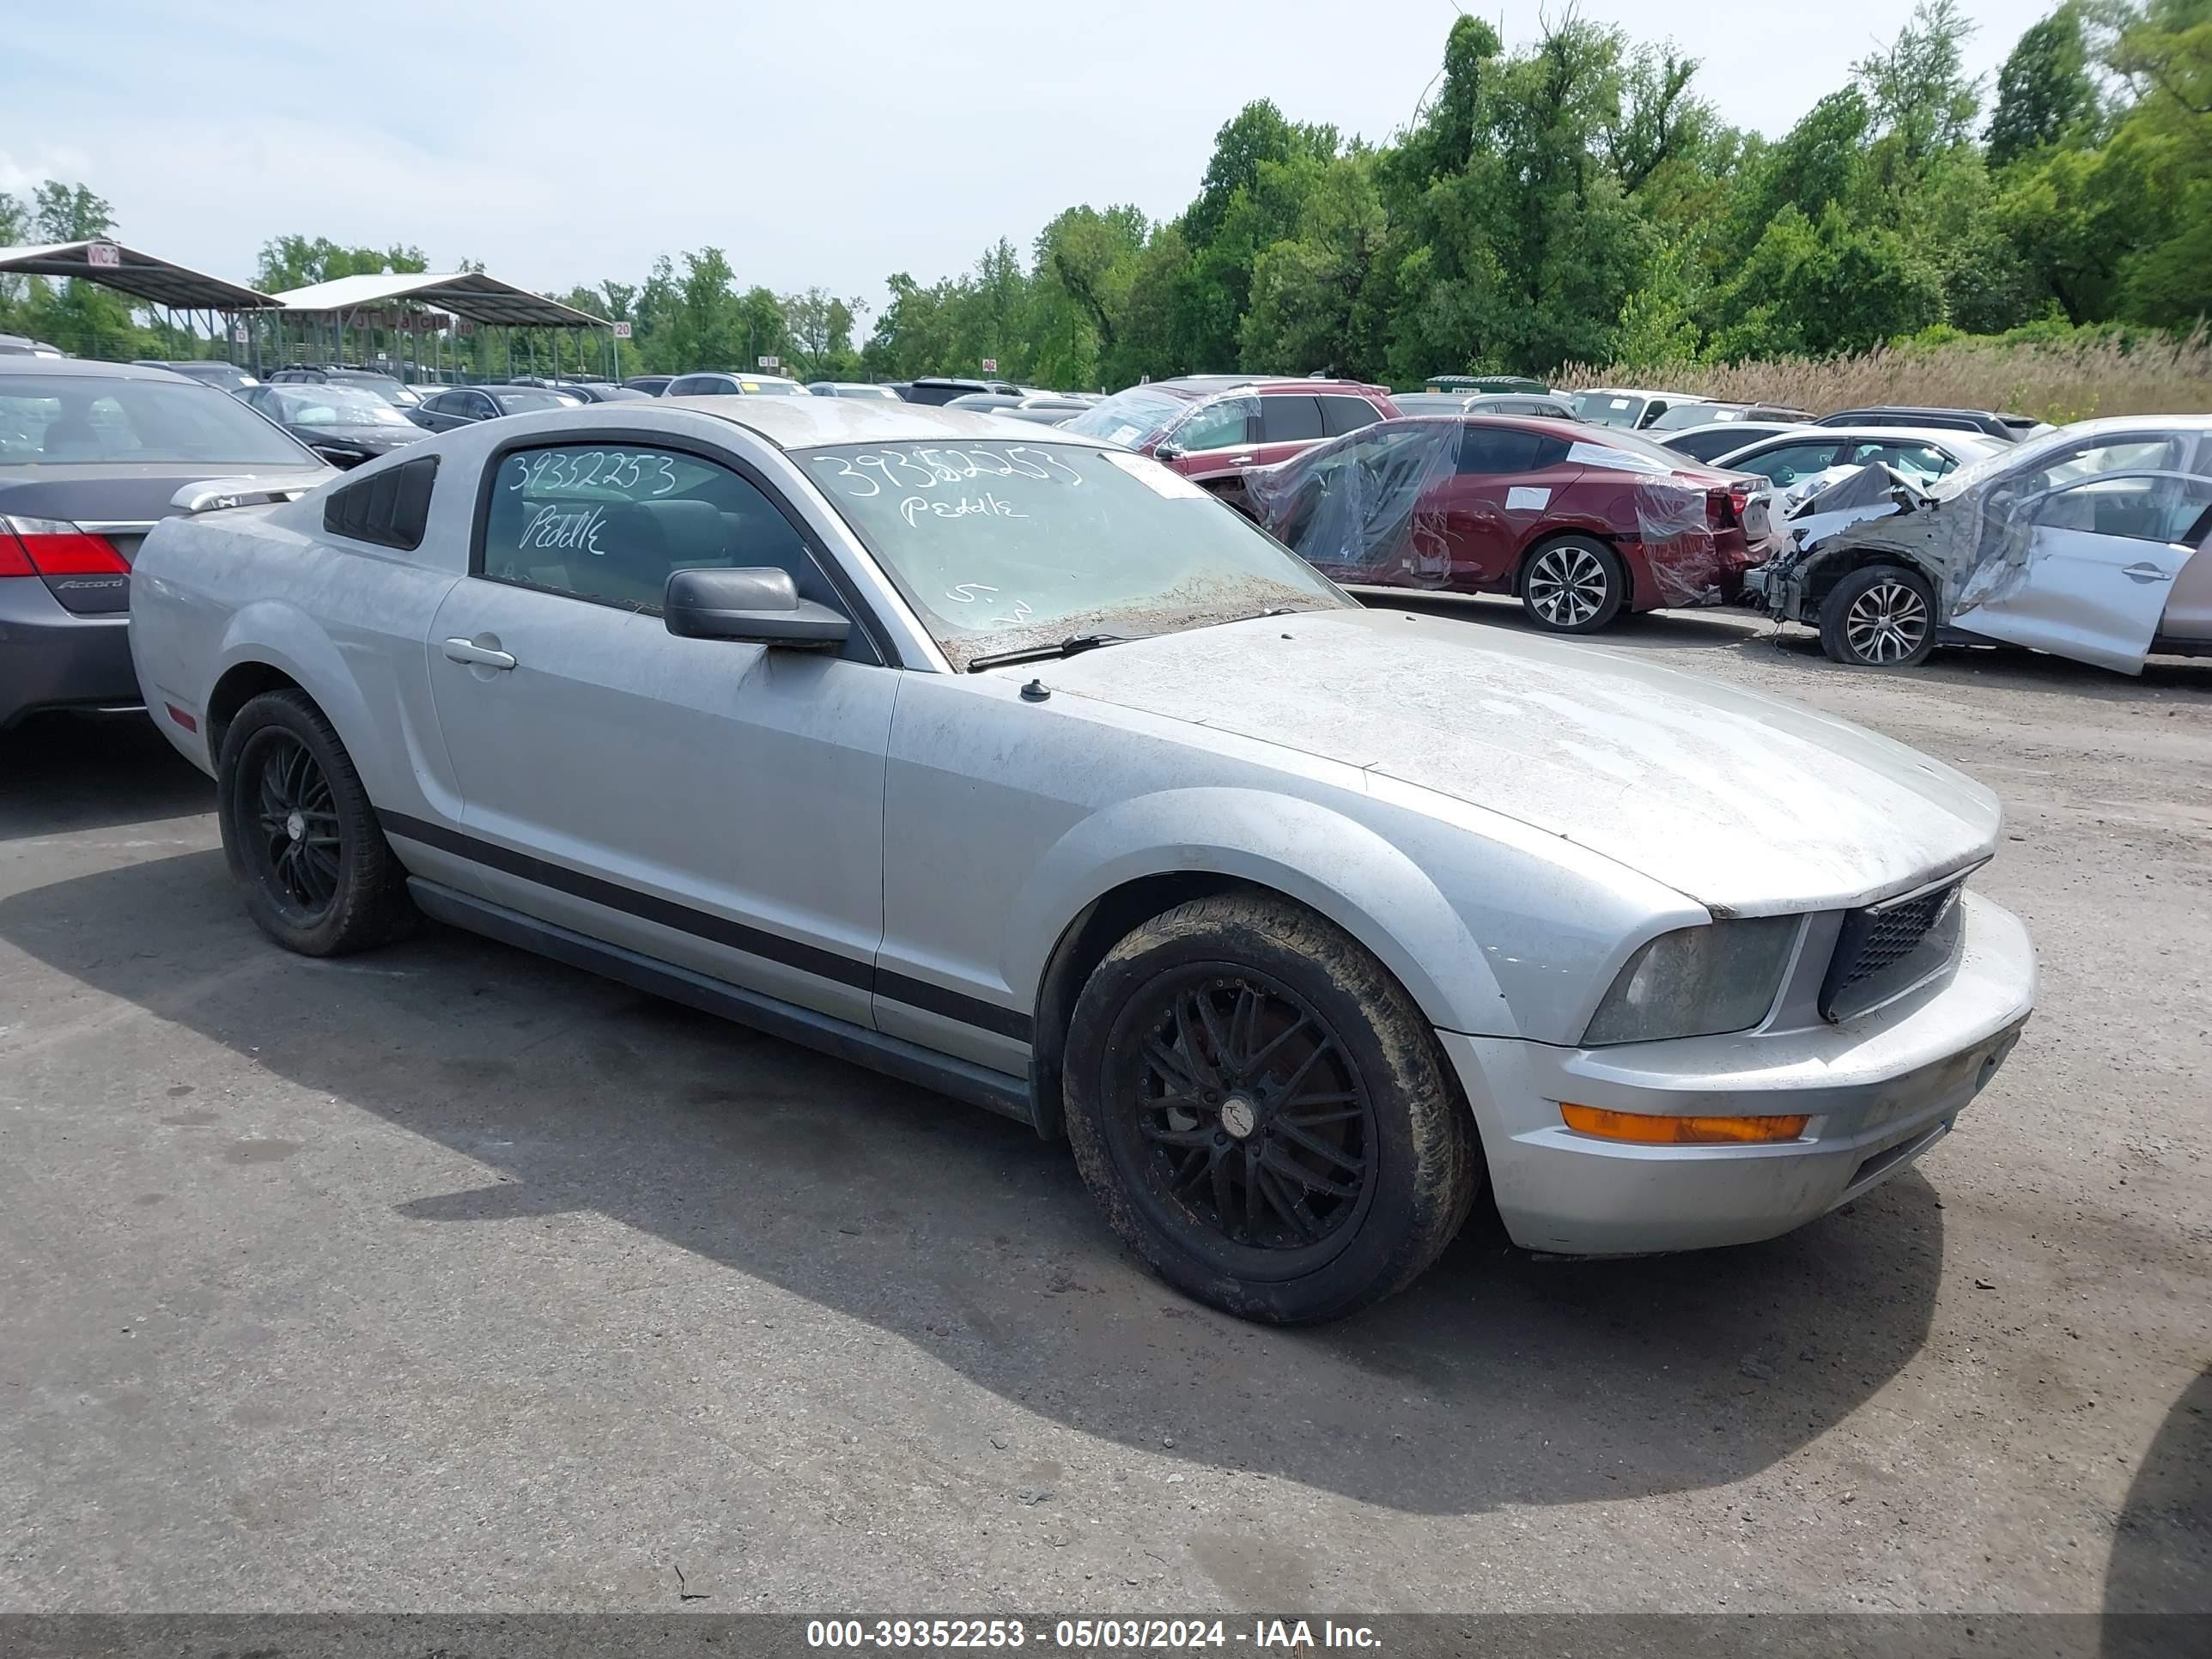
column 1308, row 852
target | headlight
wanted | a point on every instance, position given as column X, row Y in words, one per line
column 1696, row 982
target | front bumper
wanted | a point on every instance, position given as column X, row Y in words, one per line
column 1880, row 1089
column 50, row 657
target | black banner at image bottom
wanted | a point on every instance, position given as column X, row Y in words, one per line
column 732, row 1636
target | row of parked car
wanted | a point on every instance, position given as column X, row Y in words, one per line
column 348, row 415
column 2078, row 543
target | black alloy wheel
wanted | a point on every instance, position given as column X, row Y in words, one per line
column 300, row 834
column 1263, row 1113
column 1244, row 1118
column 297, row 848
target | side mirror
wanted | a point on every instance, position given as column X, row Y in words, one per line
column 1168, row 453
column 758, row 606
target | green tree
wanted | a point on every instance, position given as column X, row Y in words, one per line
column 1311, row 305
column 2045, row 91
column 1815, row 289
column 1917, row 85
column 820, row 326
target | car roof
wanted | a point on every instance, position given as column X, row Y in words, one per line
column 809, row 422
column 736, row 374
column 90, row 369
column 1203, row 384
column 1883, row 433
column 1916, row 409
column 1766, row 426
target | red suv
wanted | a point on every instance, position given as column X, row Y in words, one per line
column 1579, row 522
column 1208, row 427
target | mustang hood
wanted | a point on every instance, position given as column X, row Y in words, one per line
column 1741, row 801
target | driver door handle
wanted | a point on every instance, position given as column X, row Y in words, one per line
column 1240, row 460
column 469, row 651
column 2145, row 571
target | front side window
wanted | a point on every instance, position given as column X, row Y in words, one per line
column 2145, row 509
column 1005, row 547
column 610, row 522
column 1225, row 425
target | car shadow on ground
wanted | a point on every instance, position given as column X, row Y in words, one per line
column 63, row 773
column 1496, row 1379
column 2161, row 1558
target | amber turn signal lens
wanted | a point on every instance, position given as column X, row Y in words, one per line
column 1651, row 1130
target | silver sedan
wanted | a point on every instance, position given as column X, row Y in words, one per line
column 1017, row 766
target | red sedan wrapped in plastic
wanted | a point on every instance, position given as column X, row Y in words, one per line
column 1578, row 522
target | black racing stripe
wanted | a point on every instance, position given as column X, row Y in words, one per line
column 719, row 930
column 936, row 1000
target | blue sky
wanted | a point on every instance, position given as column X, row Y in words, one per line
column 823, row 143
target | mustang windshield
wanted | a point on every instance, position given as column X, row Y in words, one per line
column 1003, row 547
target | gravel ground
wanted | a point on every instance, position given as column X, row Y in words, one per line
column 450, row 1278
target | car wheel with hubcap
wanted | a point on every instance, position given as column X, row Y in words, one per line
column 1883, row 617
column 300, row 834
column 1263, row 1113
column 1574, row 586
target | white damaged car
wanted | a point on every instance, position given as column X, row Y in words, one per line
column 1015, row 765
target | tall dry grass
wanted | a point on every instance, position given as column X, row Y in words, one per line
column 2051, row 380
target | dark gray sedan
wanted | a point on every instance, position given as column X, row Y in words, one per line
column 91, row 455
column 342, row 423
column 463, row 405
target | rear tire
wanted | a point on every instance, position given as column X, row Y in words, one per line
column 1263, row 1113
column 1882, row 616
column 300, row 836
column 1575, row 585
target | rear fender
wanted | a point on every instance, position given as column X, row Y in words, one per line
column 389, row 753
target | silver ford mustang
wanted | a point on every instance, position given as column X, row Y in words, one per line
column 1013, row 764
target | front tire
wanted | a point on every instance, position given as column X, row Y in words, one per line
column 1574, row 586
column 1263, row 1114
column 1883, row 617
column 300, row 836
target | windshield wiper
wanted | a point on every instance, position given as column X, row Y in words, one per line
column 1074, row 645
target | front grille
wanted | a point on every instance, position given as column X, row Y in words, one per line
column 1875, row 941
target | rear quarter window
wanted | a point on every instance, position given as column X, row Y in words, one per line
column 1290, row 418
column 391, row 508
column 1340, row 414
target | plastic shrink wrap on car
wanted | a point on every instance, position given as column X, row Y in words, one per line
column 1673, row 518
column 1222, row 420
column 1369, row 507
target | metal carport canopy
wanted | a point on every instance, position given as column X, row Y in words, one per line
column 468, row 294
column 128, row 271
